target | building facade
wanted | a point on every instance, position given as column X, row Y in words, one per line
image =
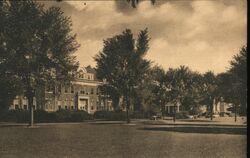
column 80, row 94
column 219, row 108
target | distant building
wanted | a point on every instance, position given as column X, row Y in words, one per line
column 220, row 108
column 81, row 94
column 170, row 108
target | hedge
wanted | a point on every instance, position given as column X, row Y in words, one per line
column 41, row 116
column 111, row 115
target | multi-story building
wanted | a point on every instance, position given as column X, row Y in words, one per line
column 82, row 93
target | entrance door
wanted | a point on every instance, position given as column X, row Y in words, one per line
column 83, row 104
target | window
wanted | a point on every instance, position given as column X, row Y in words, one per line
column 16, row 106
column 25, row 107
column 66, row 89
column 72, row 107
column 59, row 88
column 49, row 88
column 92, row 107
column 66, row 107
column 92, row 90
column 59, row 107
column 72, row 89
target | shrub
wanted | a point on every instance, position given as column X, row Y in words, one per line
column 118, row 115
column 62, row 116
column 20, row 116
column 195, row 111
column 101, row 114
column 110, row 115
column 182, row 115
column 138, row 115
column 41, row 116
column 72, row 116
column 78, row 116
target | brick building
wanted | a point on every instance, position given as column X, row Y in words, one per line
column 81, row 94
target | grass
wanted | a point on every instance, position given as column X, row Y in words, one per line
column 115, row 140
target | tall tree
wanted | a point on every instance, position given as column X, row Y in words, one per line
column 38, row 45
column 8, row 83
column 183, row 87
column 122, row 65
column 238, row 72
column 159, row 89
column 210, row 91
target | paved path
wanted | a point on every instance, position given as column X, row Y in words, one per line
column 241, row 122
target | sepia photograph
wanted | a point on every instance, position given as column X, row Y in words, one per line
column 123, row 78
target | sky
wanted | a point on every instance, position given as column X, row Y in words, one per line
column 201, row 34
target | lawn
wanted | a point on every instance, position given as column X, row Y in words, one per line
column 116, row 140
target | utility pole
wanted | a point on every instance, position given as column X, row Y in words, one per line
column 30, row 91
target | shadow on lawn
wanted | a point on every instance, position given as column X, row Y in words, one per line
column 205, row 130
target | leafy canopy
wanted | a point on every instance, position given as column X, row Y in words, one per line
column 36, row 44
column 121, row 61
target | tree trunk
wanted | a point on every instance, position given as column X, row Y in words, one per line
column 31, row 107
column 211, row 115
column 162, row 111
column 127, row 109
column 174, row 117
column 116, row 103
column 212, row 107
column 235, row 113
